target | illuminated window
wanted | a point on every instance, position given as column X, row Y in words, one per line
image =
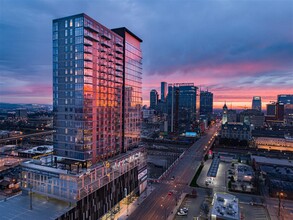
column 66, row 23
column 70, row 23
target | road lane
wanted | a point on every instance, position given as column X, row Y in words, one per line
column 154, row 207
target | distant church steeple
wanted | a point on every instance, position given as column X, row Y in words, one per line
column 225, row 114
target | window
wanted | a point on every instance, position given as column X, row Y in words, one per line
column 79, row 48
column 79, row 40
column 65, row 40
column 55, row 26
column 79, row 22
column 55, row 43
column 78, row 31
column 70, row 32
column 70, row 23
column 55, row 35
column 66, row 33
column 66, row 23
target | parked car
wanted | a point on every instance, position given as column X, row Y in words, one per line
column 181, row 213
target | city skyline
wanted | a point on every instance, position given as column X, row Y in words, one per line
column 236, row 59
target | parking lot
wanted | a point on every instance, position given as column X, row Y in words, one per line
column 253, row 212
column 218, row 183
column 193, row 205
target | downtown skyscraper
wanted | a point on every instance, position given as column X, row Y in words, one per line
column 256, row 103
column 206, row 103
column 97, row 76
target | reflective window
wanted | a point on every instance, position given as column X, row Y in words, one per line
column 79, row 22
column 79, row 31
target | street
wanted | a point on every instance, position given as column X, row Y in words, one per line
column 163, row 199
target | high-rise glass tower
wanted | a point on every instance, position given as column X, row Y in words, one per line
column 154, row 96
column 132, row 88
column 182, row 106
column 206, row 102
column 96, row 86
column 285, row 99
column 256, row 103
column 164, row 90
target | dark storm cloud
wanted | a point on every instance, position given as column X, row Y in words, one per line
column 193, row 38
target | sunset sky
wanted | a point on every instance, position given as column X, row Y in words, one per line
column 236, row 49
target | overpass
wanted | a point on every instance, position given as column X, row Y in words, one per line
column 14, row 138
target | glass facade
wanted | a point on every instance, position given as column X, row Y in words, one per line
column 87, row 89
column 256, row 103
column 132, row 117
column 183, row 107
column 206, row 103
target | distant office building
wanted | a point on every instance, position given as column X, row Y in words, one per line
column 252, row 117
column 182, row 107
column 21, row 113
column 154, row 98
column 238, row 131
column 256, row 103
column 288, row 114
column 231, row 116
column 206, row 103
column 164, row 90
column 97, row 117
column 285, row 99
column 271, row 109
column 275, row 113
column 161, row 107
column 280, row 108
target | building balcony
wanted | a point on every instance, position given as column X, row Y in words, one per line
column 119, row 68
column 106, row 35
column 119, row 62
column 119, row 43
column 103, row 70
column 88, row 57
column 92, row 27
column 87, row 42
column 119, row 56
column 91, row 36
column 119, row 50
column 88, row 65
column 106, row 43
column 88, row 50
column 103, row 56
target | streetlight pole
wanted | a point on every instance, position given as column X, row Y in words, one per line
column 279, row 211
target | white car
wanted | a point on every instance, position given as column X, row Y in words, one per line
column 181, row 213
column 184, row 209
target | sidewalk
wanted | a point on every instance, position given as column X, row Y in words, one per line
column 122, row 214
